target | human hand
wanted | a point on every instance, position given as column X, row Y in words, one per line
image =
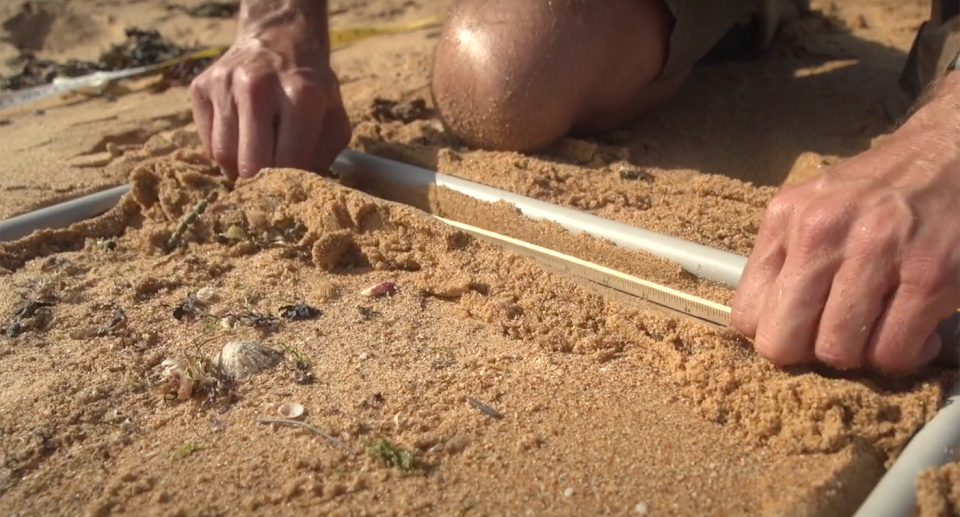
column 272, row 99
column 857, row 267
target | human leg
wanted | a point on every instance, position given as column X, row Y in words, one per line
column 519, row 74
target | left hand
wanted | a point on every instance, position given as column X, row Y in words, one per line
column 857, row 267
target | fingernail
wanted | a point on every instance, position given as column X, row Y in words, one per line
column 931, row 347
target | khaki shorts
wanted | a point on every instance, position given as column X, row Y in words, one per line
column 705, row 30
column 710, row 30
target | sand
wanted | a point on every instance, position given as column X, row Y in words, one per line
column 605, row 404
column 938, row 491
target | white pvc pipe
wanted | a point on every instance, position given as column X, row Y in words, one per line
column 936, row 444
column 702, row 261
column 895, row 496
column 61, row 215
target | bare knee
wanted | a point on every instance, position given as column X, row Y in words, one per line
column 519, row 74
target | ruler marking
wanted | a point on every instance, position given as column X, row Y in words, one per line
column 650, row 291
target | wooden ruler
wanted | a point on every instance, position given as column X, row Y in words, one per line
column 652, row 292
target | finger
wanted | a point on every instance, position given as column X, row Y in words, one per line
column 905, row 335
column 256, row 110
column 202, row 114
column 764, row 265
column 857, row 299
column 788, row 327
column 335, row 137
column 301, row 116
column 225, row 134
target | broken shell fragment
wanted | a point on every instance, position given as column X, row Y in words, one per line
column 235, row 233
column 291, row 410
column 379, row 289
column 207, row 295
column 240, row 359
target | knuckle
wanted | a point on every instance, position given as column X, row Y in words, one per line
column 838, row 356
column 252, row 81
column 817, row 226
column 928, row 276
column 886, row 359
column 304, row 92
column 781, row 206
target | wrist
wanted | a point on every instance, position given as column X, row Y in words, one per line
column 300, row 24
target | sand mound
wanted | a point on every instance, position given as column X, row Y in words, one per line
column 581, row 381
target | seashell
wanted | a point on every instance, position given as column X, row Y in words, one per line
column 235, row 233
column 291, row 410
column 379, row 289
column 240, row 359
column 207, row 295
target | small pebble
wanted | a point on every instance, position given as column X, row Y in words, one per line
column 568, row 492
column 235, row 233
column 364, row 356
column 207, row 295
column 641, row 508
column 228, row 322
column 379, row 289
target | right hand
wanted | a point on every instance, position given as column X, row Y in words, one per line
column 271, row 101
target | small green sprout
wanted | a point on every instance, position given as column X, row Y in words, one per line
column 386, row 452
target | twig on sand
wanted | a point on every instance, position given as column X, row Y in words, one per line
column 485, row 409
column 313, row 429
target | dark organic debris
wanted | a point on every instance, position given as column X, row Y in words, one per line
column 299, row 311
column 635, row 173
column 223, row 10
column 386, row 110
column 187, row 307
column 141, row 48
column 25, row 312
column 118, row 322
column 262, row 322
column 366, row 313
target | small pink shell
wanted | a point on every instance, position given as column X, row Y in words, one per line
column 380, row 289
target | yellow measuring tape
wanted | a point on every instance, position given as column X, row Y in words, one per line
column 343, row 37
column 96, row 83
column 661, row 295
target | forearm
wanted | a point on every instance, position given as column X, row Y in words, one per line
column 308, row 19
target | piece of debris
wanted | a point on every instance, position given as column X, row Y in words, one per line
column 386, row 110
column 261, row 322
column 23, row 316
column 298, row 311
column 206, row 295
column 235, row 233
column 188, row 220
column 141, row 48
column 313, row 429
column 379, row 289
column 485, row 409
column 187, row 307
column 366, row 313
column 118, row 322
column 301, row 366
column 386, row 452
column 239, row 359
column 631, row 173
column 183, row 376
column 291, row 410
column 222, row 10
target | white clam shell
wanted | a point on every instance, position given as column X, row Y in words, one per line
column 241, row 359
column 291, row 410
